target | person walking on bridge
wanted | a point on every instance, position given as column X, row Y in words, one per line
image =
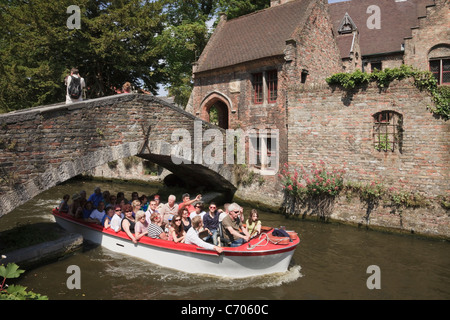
column 75, row 86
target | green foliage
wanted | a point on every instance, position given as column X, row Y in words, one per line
column 383, row 144
column 321, row 185
column 116, row 43
column 371, row 192
column 10, row 271
column 237, row 8
column 374, row 192
column 182, row 42
column 424, row 80
column 15, row 292
column 146, row 43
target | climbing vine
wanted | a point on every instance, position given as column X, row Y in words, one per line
column 423, row 80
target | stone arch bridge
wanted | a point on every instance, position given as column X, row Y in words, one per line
column 44, row 146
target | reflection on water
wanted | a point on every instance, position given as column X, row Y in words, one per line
column 330, row 263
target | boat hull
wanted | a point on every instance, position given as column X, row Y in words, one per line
column 240, row 262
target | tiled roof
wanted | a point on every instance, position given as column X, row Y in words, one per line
column 397, row 19
column 254, row 36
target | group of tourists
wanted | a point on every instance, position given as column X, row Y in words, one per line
column 188, row 221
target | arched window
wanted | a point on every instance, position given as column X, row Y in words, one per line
column 439, row 58
column 388, row 131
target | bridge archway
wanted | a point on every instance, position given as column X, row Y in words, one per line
column 48, row 145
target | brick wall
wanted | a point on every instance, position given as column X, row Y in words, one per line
column 44, row 146
column 433, row 29
column 317, row 50
column 335, row 126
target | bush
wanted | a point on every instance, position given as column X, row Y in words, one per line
column 319, row 181
column 15, row 292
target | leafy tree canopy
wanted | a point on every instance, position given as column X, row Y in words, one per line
column 115, row 44
column 145, row 42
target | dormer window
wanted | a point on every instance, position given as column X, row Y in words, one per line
column 347, row 25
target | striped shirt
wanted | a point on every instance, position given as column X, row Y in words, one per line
column 154, row 231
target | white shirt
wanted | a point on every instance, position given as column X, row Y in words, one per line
column 194, row 214
column 222, row 216
column 193, row 238
column 97, row 215
column 116, row 222
column 83, row 85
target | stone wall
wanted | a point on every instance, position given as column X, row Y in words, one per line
column 336, row 126
column 44, row 146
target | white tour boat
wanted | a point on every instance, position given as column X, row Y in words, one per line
column 262, row 255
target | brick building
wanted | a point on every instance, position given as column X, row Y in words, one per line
column 245, row 71
column 268, row 69
column 387, row 33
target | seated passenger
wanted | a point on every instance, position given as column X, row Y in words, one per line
column 187, row 202
column 198, row 211
column 211, row 223
column 75, row 208
column 98, row 214
column 253, row 223
column 144, row 202
column 87, row 209
column 154, row 230
column 151, row 209
column 193, row 238
column 140, row 229
column 170, row 209
column 136, row 205
column 128, row 222
column 231, row 227
column 106, row 222
column 224, row 212
column 64, row 205
column 96, row 197
column 176, row 230
column 116, row 220
column 185, row 219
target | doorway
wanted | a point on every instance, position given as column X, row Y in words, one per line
column 218, row 114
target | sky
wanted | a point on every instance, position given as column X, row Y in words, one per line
column 163, row 92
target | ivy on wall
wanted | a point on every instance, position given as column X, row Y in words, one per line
column 423, row 80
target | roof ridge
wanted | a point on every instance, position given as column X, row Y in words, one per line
column 266, row 9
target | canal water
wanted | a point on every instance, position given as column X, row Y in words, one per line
column 333, row 261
